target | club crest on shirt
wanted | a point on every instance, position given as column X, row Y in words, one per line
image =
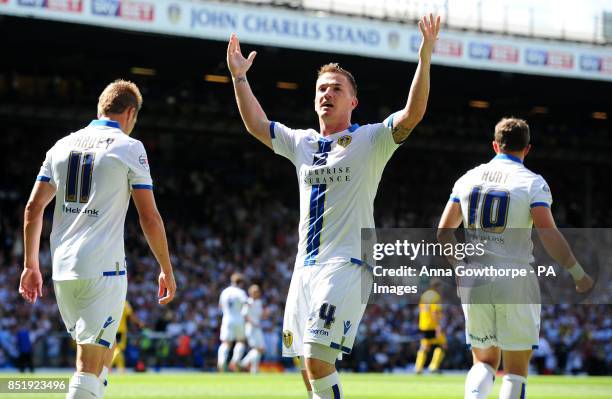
column 344, row 141
column 287, row 338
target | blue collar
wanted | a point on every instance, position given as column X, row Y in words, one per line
column 353, row 127
column 508, row 157
column 105, row 122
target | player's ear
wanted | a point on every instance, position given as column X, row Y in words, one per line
column 526, row 151
column 354, row 102
column 495, row 147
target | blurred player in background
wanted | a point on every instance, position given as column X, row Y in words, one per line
column 430, row 317
column 339, row 168
column 231, row 302
column 253, row 314
column 503, row 194
column 122, row 332
column 91, row 174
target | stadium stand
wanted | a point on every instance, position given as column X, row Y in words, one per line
column 228, row 204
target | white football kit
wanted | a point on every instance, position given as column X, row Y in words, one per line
column 232, row 301
column 93, row 171
column 496, row 199
column 338, row 177
column 253, row 312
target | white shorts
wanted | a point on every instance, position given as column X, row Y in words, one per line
column 324, row 306
column 92, row 308
column 232, row 330
column 254, row 336
column 509, row 326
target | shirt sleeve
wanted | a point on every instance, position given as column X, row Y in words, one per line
column 540, row 194
column 285, row 141
column 382, row 138
column 139, row 176
column 46, row 170
column 456, row 193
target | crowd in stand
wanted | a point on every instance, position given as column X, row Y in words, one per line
column 213, row 231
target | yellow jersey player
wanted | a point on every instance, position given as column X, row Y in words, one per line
column 121, row 338
column 430, row 315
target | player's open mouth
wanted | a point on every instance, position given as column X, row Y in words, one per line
column 327, row 105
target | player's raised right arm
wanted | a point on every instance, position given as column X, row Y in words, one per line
column 253, row 116
column 155, row 233
column 558, row 248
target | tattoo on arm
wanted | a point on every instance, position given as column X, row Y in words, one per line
column 240, row 79
column 400, row 133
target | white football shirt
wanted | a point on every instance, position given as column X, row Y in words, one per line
column 232, row 300
column 338, row 177
column 496, row 200
column 254, row 311
column 93, row 171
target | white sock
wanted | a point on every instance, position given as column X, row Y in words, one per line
column 103, row 381
column 238, row 352
column 513, row 387
column 83, row 386
column 222, row 355
column 479, row 381
column 255, row 361
column 327, row 387
column 247, row 359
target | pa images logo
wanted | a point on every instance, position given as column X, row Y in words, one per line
column 287, row 338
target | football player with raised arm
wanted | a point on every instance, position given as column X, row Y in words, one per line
column 503, row 199
column 339, row 166
column 92, row 174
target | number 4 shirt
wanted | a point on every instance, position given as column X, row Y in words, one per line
column 93, row 171
column 338, row 177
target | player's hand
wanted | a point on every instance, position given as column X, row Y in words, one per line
column 584, row 284
column 30, row 285
column 429, row 29
column 167, row 288
column 237, row 64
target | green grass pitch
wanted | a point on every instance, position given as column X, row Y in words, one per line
column 356, row 386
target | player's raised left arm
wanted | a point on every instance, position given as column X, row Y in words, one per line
column 407, row 119
column 30, row 285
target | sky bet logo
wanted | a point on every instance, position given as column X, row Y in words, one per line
column 444, row 46
column 57, row 5
column 494, row 52
column 593, row 63
column 551, row 59
column 134, row 10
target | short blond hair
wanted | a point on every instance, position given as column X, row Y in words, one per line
column 119, row 96
column 334, row 67
column 512, row 134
